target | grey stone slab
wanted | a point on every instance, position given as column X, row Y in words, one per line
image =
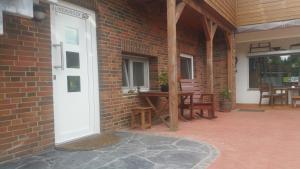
column 156, row 140
column 135, row 151
column 177, row 158
column 149, row 153
column 75, row 160
column 188, row 143
column 171, row 166
column 35, row 165
column 161, row 147
column 10, row 165
column 131, row 162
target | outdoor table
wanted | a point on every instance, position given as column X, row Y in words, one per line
column 289, row 91
column 159, row 111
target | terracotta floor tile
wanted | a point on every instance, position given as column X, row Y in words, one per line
column 248, row 140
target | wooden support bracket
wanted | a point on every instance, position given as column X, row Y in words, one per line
column 179, row 9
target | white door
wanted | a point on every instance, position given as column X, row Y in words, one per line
column 74, row 77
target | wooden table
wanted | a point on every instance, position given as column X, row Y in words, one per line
column 159, row 111
column 289, row 91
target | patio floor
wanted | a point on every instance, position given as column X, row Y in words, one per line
column 135, row 151
column 248, row 140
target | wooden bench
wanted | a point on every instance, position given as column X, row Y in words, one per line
column 294, row 100
column 201, row 101
column 145, row 115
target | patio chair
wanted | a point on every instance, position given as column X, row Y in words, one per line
column 294, row 100
column 267, row 91
column 201, row 101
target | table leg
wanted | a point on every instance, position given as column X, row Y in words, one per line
column 181, row 114
column 191, row 106
column 157, row 111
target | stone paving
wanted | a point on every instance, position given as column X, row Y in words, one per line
column 135, row 151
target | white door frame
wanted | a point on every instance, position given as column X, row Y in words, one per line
column 92, row 62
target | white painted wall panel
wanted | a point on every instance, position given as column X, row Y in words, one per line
column 243, row 94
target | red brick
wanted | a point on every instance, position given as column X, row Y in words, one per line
column 25, row 59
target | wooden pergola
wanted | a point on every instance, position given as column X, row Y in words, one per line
column 210, row 23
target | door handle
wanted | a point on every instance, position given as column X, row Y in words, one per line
column 62, row 64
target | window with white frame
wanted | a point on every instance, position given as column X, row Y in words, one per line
column 135, row 73
column 186, row 66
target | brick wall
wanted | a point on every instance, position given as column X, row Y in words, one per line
column 123, row 27
column 220, row 65
column 26, row 109
column 130, row 25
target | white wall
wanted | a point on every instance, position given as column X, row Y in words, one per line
column 244, row 95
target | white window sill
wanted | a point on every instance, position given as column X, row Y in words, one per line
column 253, row 89
column 132, row 92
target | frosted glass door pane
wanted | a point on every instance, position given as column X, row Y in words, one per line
column 71, row 36
column 138, row 74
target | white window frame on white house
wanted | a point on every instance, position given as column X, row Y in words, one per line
column 192, row 62
column 131, row 60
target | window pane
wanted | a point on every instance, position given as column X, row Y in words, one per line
column 71, row 36
column 138, row 74
column 72, row 59
column 125, row 73
column 275, row 70
column 186, row 68
column 73, row 83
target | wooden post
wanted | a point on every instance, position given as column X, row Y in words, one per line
column 210, row 29
column 209, row 65
column 172, row 64
column 229, row 41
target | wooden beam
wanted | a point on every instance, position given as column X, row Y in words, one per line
column 179, row 10
column 209, row 65
column 229, row 41
column 210, row 29
column 172, row 64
